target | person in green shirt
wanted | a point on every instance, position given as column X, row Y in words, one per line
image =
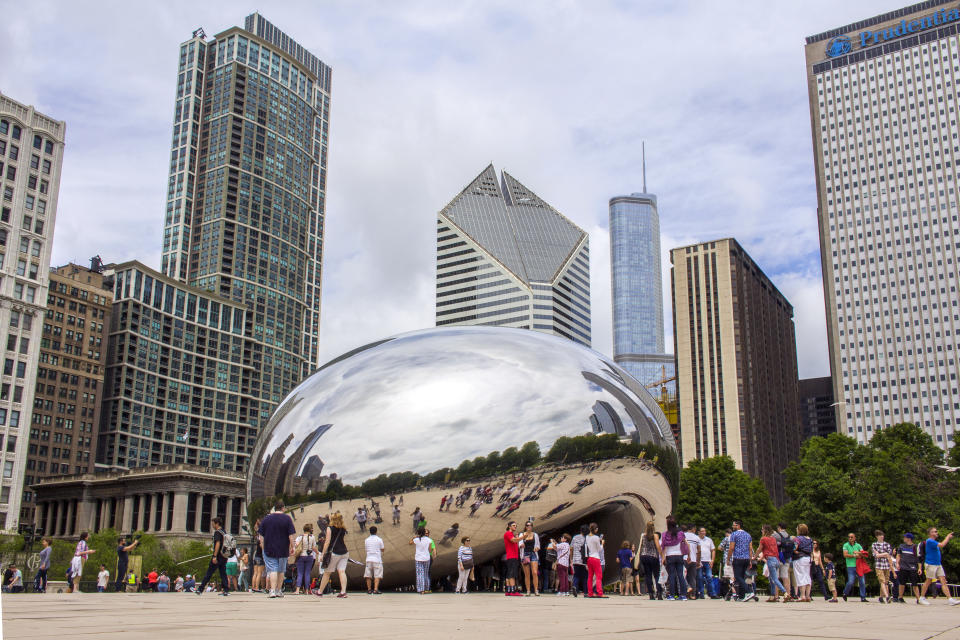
column 851, row 551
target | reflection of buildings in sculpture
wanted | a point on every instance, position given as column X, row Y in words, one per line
column 649, row 423
column 605, row 419
column 297, row 473
column 507, row 258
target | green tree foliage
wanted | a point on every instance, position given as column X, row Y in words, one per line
column 891, row 483
column 713, row 493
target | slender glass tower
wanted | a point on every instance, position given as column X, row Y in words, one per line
column 637, row 287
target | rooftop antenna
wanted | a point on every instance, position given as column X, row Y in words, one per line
column 643, row 148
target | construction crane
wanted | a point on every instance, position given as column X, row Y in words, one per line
column 662, row 383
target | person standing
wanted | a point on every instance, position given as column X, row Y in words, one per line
column 464, row 564
column 80, row 555
column 304, row 547
column 335, row 555
column 741, row 544
column 594, row 550
column 933, row 566
column 625, row 559
column 124, row 547
column 708, row 552
column 530, row 547
column 511, row 551
column 563, row 565
column 830, row 571
column 770, row 553
column 423, row 551
column 102, row 578
column 674, row 550
column 882, row 554
column 786, row 546
column 817, row 569
column 163, row 582
column 257, row 582
column 801, row 564
column 361, row 517
column 218, row 559
column 692, row 559
column 373, row 563
column 396, row 515
column 233, row 569
column 243, row 566
column 579, row 561
column 908, row 567
column 650, row 553
column 851, row 551
column 45, row 552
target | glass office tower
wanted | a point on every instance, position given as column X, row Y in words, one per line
column 638, row 289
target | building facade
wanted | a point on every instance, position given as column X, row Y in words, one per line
column 247, row 190
column 817, row 415
column 166, row 500
column 66, row 405
column 736, row 362
column 507, row 258
column 637, row 282
column 883, row 101
column 179, row 385
column 31, row 156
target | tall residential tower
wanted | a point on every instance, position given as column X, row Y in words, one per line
column 883, row 106
column 507, row 258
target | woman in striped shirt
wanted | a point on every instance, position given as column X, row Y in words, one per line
column 464, row 564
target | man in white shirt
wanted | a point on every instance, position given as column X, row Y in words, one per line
column 373, row 570
column 705, row 574
column 693, row 559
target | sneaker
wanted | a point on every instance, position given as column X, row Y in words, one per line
column 198, row 592
column 833, row 600
column 901, row 601
column 750, row 596
column 923, row 601
column 953, row 601
column 669, row 598
column 224, row 593
column 844, row 597
column 684, row 598
column 864, row 600
column 271, row 594
column 280, row 593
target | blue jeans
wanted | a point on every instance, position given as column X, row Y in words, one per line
column 676, row 582
column 851, row 577
column 773, row 568
column 705, row 577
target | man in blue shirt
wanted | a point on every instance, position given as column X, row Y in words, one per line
column 932, row 565
column 741, row 545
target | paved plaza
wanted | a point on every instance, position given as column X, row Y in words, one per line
column 486, row 616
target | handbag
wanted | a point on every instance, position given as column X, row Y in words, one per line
column 467, row 564
column 326, row 559
column 297, row 550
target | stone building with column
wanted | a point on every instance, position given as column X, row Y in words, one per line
column 176, row 500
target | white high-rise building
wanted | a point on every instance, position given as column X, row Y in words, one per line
column 507, row 258
column 883, row 104
column 31, row 155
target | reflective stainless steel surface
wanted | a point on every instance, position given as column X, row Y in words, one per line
column 430, row 399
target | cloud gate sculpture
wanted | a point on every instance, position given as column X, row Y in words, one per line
column 419, row 415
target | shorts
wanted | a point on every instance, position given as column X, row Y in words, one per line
column 512, row 569
column 784, row 570
column 338, row 562
column 883, row 575
column 626, row 573
column 232, row 569
column 531, row 556
column 373, row 570
column 275, row 565
column 258, row 561
column 832, row 584
column 908, row 577
column 934, row 571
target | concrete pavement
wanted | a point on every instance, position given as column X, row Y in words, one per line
column 403, row 616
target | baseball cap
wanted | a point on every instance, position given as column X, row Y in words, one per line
column 908, row 535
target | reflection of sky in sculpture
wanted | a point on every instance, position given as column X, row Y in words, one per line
column 431, row 398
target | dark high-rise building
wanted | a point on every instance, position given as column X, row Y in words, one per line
column 736, row 362
column 66, row 405
column 246, row 194
column 817, row 415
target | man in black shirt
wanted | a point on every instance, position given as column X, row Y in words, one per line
column 908, row 566
column 124, row 546
column 218, row 562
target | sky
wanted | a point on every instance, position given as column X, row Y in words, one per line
column 426, row 94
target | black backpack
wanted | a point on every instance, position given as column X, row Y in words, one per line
column 787, row 547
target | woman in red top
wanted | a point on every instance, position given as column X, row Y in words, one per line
column 770, row 552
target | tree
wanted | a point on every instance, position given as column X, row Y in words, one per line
column 713, row 493
column 953, row 458
column 529, row 454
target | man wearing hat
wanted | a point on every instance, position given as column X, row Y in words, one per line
column 189, row 584
column 908, row 566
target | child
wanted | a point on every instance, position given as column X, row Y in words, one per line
column 563, row 566
column 102, row 578
column 831, row 572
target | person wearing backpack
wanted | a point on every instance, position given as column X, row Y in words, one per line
column 218, row 560
column 786, row 546
column 801, row 562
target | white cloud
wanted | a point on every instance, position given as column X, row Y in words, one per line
column 425, row 94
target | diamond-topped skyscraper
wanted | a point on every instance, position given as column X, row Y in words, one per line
column 638, row 344
column 507, row 258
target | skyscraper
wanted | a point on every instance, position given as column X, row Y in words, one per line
column 31, row 156
column 246, row 194
column 817, row 417
column 637, row 287
column 507, row 258
column 736, row 362
column 883, row 102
